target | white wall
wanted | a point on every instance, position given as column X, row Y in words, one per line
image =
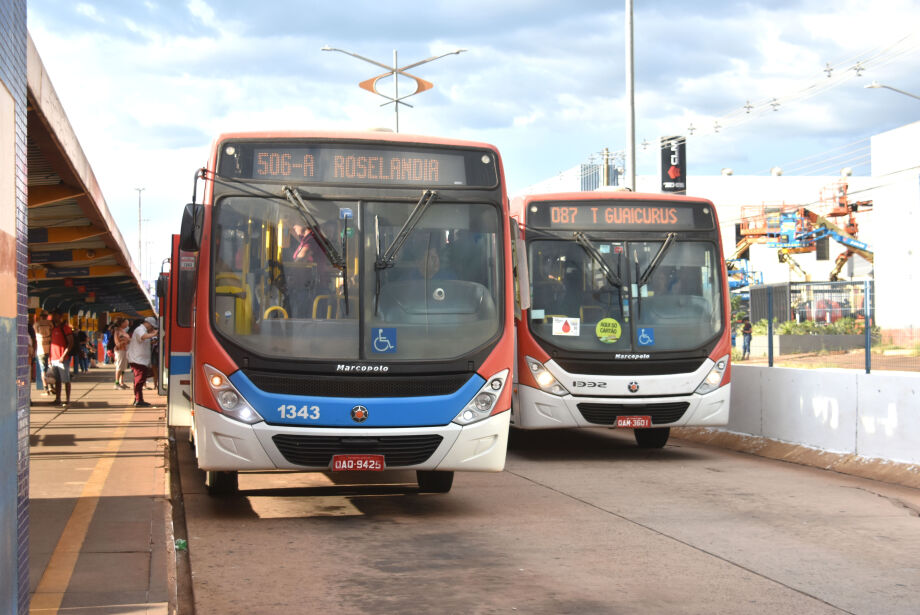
column 897, row 212
column 844, row 411
column 895, row 150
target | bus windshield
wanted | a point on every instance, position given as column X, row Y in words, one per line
column 578, row 306
column 277, row 292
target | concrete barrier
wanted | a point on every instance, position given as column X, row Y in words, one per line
column 843, row 411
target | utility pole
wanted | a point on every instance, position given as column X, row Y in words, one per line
column 140, row 262
column 631, row 102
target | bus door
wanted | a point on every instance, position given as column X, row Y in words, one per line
column 163, row 332
column 521, row 277
column 178, row 341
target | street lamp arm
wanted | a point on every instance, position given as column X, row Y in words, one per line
column 432, row 59
column 395, row 70
column 360, row 57
column 876, row 84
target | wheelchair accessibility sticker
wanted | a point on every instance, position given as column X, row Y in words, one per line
column 384, row 339
column 646, row 336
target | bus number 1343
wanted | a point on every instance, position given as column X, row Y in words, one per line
column 290, row 411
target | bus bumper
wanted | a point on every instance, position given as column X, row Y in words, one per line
column 536, row 409
column 226, row 444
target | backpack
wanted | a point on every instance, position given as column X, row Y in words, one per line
column 110, row 340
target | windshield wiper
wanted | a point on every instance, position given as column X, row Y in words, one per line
column 335, row 259
column 388, row 259
column 638, row 288
column 345, row 268
column 669, row 240
column 588, row 246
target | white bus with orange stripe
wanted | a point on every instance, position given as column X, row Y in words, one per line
column 628, row 323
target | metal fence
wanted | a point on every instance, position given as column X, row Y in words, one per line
column 823, row 324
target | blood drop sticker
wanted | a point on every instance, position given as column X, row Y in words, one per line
column 566, row 326
column 608, row 330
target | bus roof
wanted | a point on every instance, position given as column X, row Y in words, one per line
column 369, row 135
column 518, row 203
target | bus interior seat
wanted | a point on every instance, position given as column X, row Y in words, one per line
column 325, row 302
column 234, row 300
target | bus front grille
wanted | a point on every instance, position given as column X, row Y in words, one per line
column 317, row 451
column 358, row 386
column 606, row 414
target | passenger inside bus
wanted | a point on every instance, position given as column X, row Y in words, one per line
column 308, row 274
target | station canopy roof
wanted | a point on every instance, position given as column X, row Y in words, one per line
column 78, row 259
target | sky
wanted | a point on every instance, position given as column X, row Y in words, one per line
column 147, row 85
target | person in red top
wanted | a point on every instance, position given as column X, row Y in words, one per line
column 60, row 357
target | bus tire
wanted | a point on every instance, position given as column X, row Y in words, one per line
column 652, row 438
column 430, row 481
column 220, row 483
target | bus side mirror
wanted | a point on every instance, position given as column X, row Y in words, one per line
column 192, row 226
column 162, row 285
column 519, row 269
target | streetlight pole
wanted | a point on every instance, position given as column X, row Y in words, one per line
column 371, row 84
column 630, row 102
column 139, row 261
column 876, row 84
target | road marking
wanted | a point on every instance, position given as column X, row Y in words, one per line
column 51, row 588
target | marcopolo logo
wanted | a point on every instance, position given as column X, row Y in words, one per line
column 362, row 369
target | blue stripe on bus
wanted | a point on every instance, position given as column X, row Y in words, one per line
column 180, row 364
column 314, row 411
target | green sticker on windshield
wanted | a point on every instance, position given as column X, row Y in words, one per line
column 608, row 330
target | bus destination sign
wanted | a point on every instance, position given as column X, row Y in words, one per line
column 365, row 164
column 620, row 216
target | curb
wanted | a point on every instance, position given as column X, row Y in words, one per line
column 883, row 470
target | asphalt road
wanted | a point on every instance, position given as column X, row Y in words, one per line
column 580, row 521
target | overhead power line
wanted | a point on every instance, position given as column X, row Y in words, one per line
column 829, row 77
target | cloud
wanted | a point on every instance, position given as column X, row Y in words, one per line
column 542, row 80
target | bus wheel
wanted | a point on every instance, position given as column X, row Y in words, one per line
column 434, row 482
column 221, row 483
column 652, row 438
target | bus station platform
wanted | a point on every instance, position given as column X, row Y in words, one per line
column 100, row 517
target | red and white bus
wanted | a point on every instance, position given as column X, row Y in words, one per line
column 352, row 307
column 628, row 320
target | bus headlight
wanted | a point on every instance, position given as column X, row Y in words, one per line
column 545, row 380
column 232, row 404
column 483, row 403
column 713, row 379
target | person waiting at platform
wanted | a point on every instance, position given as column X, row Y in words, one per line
column 122, row 338
column 139, row 357
column 62, row 347
column 43, row 327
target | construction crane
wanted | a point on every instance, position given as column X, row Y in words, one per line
column 793, row 229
